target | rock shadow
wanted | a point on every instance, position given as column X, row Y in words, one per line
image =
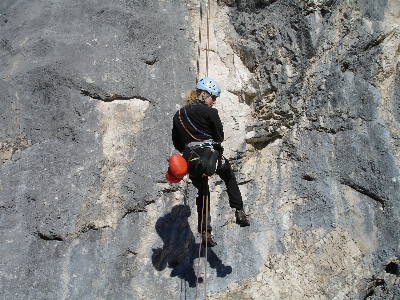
column 180, row 248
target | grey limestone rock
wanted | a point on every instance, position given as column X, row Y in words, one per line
column 311, row 109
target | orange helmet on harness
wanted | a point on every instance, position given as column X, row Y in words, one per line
column 178, row 168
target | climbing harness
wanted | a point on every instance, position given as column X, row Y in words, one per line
column 194, row 145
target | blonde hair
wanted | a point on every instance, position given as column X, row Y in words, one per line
column 191, row 97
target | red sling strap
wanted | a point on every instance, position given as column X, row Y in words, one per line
column 184, row 127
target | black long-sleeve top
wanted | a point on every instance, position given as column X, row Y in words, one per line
column 204, row 118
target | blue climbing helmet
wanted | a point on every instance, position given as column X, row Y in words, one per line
column 209, row 85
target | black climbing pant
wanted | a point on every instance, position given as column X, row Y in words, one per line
column 201, row 183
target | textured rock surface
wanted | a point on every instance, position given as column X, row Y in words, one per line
column 311, row 108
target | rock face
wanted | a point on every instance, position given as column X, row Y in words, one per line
column 311, row 110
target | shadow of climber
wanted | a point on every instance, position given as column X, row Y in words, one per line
column 180, row 249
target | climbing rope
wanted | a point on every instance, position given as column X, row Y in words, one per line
column 205, row 264
column 205, row 198
column 201, row 240
column 208, row 37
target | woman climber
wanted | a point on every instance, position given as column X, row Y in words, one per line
column 197, row 132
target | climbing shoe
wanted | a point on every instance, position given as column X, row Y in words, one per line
column 241, row 218
column 206, row 236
